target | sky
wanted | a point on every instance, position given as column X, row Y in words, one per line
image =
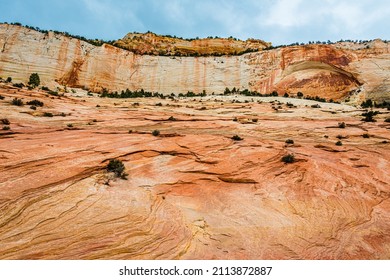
column 276, row 21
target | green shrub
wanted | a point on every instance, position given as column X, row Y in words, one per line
column 237, row 138
column 5, row 121
column 48, row 114
column 36, row 103
column 69, row 125
column 117, row 167
column 156, row 132
column 387, row 120
column 9, row 79
column 17, row 102
column 171, row 118
column 289, row 158
column 34, row 80
column 6, row 127
column 33, row 107
column 339, row 143
column 1, row 97
column 369, row 116
column 289, row 141
column 366, row 135
column 341, row 124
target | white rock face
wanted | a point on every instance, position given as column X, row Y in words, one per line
column 330, row 71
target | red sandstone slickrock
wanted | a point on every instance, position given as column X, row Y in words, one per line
column 192, row 192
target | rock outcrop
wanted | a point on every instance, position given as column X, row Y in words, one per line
column 338, row 71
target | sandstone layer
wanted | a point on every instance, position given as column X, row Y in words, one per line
column 192, row 192
column 339, row 71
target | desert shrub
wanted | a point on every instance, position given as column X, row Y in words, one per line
column 6, row 127
column 69, row 125
column 315, row 106
column 158, row 104
column 235, row 119
column 289, row 158
column 156, row 132
column 171, row 118
column 5, row 121
column 255, row 120
column 117, row 167
column 130, row 131
column 33, row 107
column 366, row 135
column 237, row 138
column 339, row 143
column 48, row 114
column 369, row 116
column 36, row 103
column 341, row 124
column 17, row 102
column 1, row 97
column 45, row 88
column 286, row 95
column 387, row 120
column 8, row 80
column 34, row 80
column 289, row 141
column 18, row 85
column 300, row 94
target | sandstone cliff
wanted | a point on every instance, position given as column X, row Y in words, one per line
column 331, row 71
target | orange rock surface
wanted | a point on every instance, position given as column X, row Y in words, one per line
column 192, row 192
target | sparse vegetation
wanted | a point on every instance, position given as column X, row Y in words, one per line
column 289, row 158
column 35, row 102
column 8, row 80
column 255, row 120
column 17, row 102
column 369, row 116
column 5, row 121
column 156, row 132
column 289, row 141
column 387, row 120
column 339, row 143
column 1, row 97
column 117, row 167
column 366, row 135
column 48, row 114
column 69, row 125
column 18, row 85
column 33, row 107
column 341, row 124
column 6, row 127
column 237, row 138
column 34, row 80
column 171, row 118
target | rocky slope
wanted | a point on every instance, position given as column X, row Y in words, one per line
column 331, row 71
column 192, row 192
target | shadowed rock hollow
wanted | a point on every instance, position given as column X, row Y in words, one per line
column 192, row 192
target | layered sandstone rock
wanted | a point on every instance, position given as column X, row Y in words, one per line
column 331, row 71
column 192, row 192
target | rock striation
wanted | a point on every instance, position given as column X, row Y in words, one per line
column 338, row 71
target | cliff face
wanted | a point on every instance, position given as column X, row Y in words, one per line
column 330, row 71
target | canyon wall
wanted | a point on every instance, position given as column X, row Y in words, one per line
column 331, row 71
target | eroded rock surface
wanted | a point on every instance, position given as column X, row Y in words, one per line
column 192, row 192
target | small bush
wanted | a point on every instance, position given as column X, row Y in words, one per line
column 18, row 85
column 255, row 120
column 316, row 106
column 235, row 119
column 237, row 138
column 6, row 127
column 1, row 97
column 341, row 124
column 369, row 116
column 33, row 107
column 366, row 135
column 289, row 141
column 158, row 104
column 45, row 88
column 117, row 167
column 339, row 143
column 130, row 131
column 8, row 80
column 17, row 102
column 289, row 158
column 69, row 125
column 171, row 118
column 48, row 114
column 34, row 80
column 35, row 103
column 387, row 120
column 156, row 132
column 5, row 121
